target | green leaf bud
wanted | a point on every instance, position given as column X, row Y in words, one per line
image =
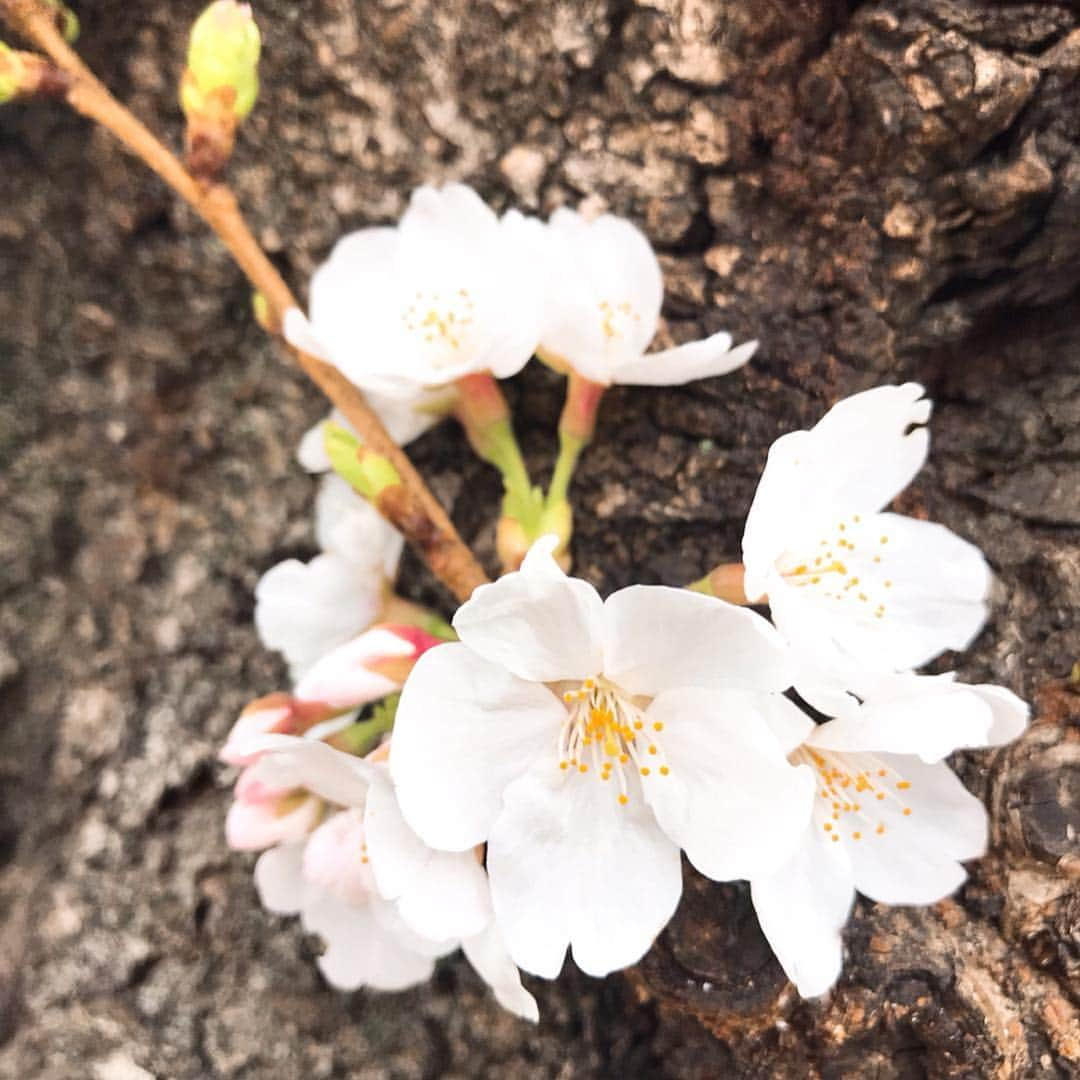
column 223, row 59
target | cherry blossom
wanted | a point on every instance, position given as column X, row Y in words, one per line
column 451, row 291
column 587, row 742
column 602, row 306
column 851, row 586
column 385, row 904
column 889, row 819
column 305, row 610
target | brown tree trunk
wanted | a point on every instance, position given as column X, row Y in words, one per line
column 879, row 191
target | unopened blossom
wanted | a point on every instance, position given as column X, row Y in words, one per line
column 358, row 673
column 305, row 610
column 274, row 714
column 269, row 810
column 385, row 904
column 889, row 819
column 586, row 742
column 603, row 296
column 365, row 669
column 451, row 291
column 850, row 585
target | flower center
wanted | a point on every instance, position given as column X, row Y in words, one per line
column 848, row 568
column 441, row 320
column 607, row 736
column 616, row 319
column 856, row 792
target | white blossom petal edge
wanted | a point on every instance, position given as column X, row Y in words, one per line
column 587, row 742
column 603, row 295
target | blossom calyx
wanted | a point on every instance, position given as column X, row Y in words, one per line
column 368, row 473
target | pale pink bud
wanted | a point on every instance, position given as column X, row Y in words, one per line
column 264, row 814
column 367, row 668
column 335, row 858
column 275, row 714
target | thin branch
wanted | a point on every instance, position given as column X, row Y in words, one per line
column 425, row 524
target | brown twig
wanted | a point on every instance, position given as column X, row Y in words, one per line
column 425, row 524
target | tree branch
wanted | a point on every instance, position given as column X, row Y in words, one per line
column 423, row 521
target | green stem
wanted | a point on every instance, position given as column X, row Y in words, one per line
column 501, row 449
column 570, row 448
column 362, row 737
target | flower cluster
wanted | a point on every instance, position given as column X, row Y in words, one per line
column 423, row 317
column 527, row 782
column 454, row 291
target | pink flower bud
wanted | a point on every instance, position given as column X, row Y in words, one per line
column 367, row 668
column 335, row 858
column 275, row 714
column 264, row 814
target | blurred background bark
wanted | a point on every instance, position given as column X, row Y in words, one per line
column 879, row 191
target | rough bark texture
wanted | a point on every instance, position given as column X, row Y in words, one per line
column 879, row 191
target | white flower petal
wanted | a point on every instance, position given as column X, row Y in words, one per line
column 354, row 306
column 311, row 453
column 802, row 908
column 279, row 879
column 359, row 950
column 685, row 363
column 290, row 761
column 536, row 622
column 570, row 866
column 790, row 726
column 440, row 895
column 658, row 638
column 512, row 297
column 397, row 854
column 1010, row 713
column 306, row 610
column 907, row 591
column 389, row 918
column 488, row 956
column 446, row 235
column 335, row 860
column 348, row 525
column 345, row 678
column 603, row 293
column 779, row 510
column 406, row 419
column 923, row 716
column 253, row 826
column 916, row 860
column 300, row 334
column 449, row 899
column 731, row 800
column 859, row 457
column 870, row 446
column 465, row 728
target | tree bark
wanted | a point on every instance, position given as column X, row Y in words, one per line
column 878, row 191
